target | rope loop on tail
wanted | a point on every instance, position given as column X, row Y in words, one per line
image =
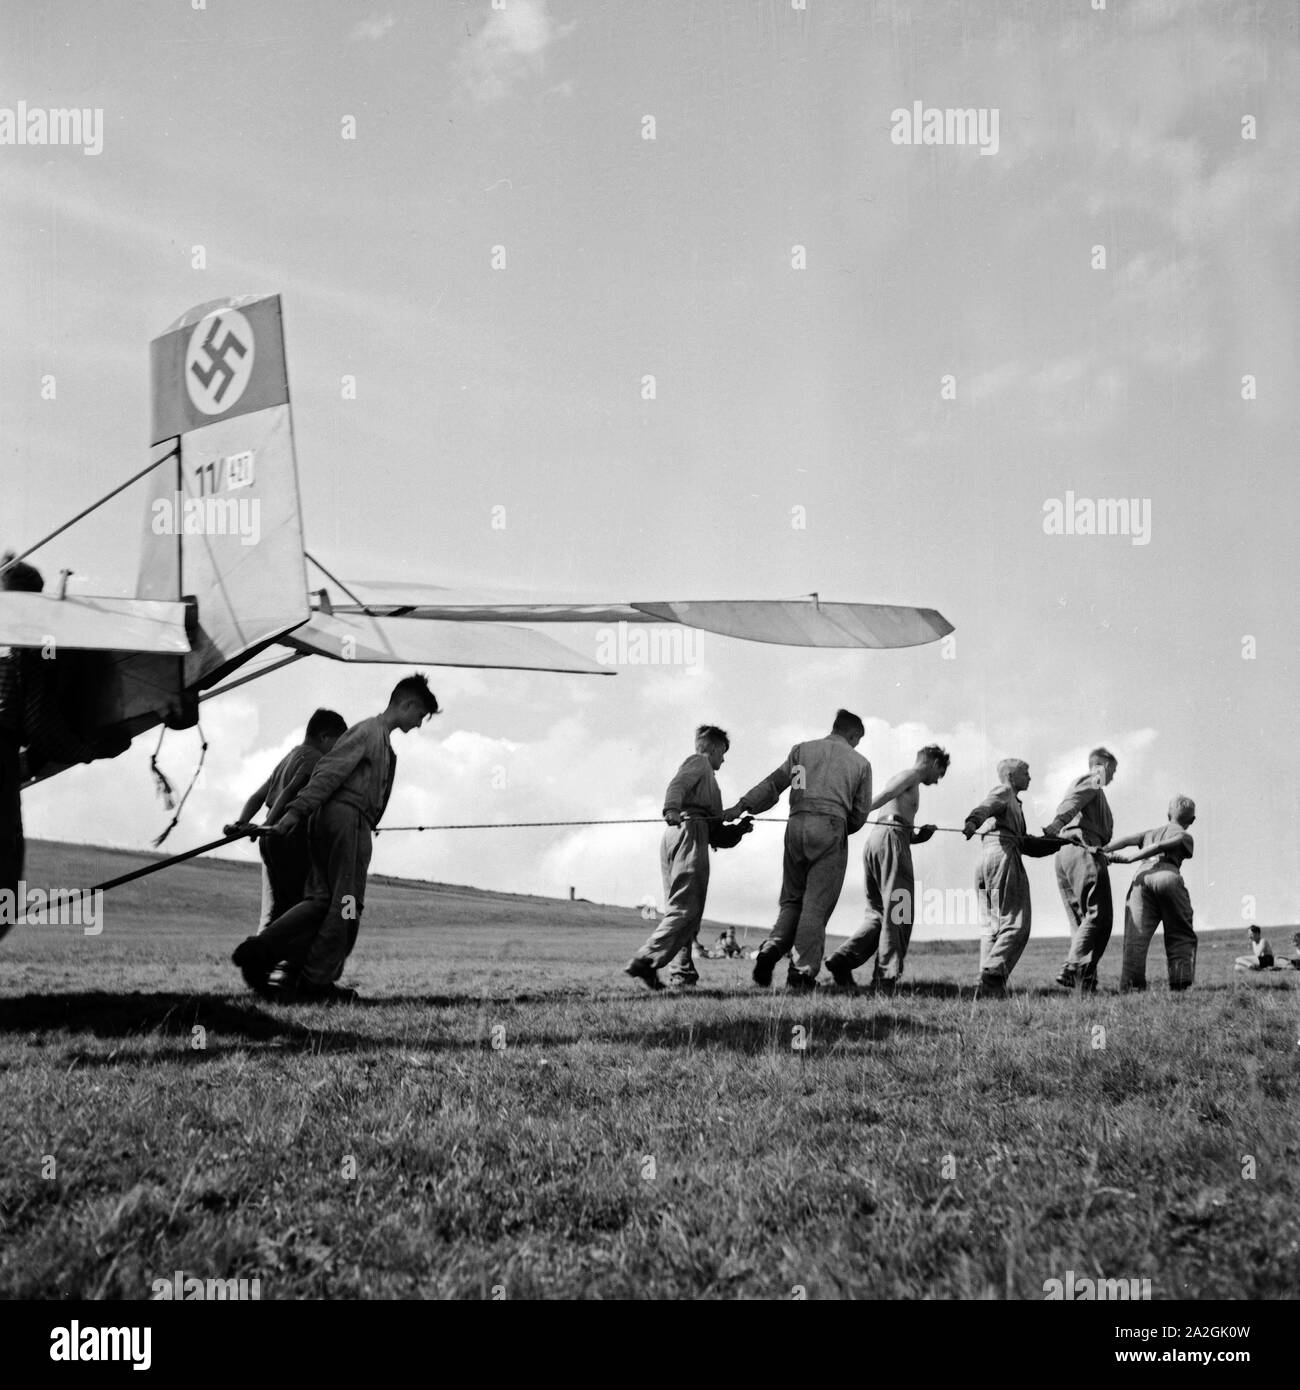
column 166, row 786
column 161, row 785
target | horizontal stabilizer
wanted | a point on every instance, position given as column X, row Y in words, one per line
column 483, row 605
column 83, row 623
column 804, row 622
column 356, row 637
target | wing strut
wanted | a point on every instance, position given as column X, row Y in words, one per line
column 108, row 496
column 364, row 607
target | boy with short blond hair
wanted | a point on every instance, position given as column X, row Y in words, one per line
column 1158, row 896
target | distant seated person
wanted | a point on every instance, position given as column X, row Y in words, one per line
column 1261, row 957
column 725, row 947
column 1295, row 954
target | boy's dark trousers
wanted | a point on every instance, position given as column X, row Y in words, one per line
column 318, row 935
column 286, row 862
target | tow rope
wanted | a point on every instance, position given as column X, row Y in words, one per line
column 244, row 833
column 642, row 820
column 253, row 832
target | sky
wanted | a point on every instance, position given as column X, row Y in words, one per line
column 877, row 365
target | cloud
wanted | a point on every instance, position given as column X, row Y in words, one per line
column 507, row 50
column 994, row 382
column 1065, row 395
column 373, row 29
column 1134, row 140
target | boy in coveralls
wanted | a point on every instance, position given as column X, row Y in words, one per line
column 693, row 810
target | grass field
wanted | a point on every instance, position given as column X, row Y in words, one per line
column 505, row 1113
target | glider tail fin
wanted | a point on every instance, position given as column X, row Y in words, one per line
column 223, row 521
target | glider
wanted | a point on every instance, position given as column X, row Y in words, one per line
column 223, row 577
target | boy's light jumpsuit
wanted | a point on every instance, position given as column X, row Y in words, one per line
column 684, row 863
column 830, row 799
column 1083, row 880
column 1159, row 895
column 1002, row 884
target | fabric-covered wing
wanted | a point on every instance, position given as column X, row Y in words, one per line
column 356, row 637
column 83, row 623
column 805, row 622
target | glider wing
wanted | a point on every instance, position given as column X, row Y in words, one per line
column 356, row 637
column 803, row 622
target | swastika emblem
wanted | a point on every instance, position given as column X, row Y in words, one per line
column 219, row 361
